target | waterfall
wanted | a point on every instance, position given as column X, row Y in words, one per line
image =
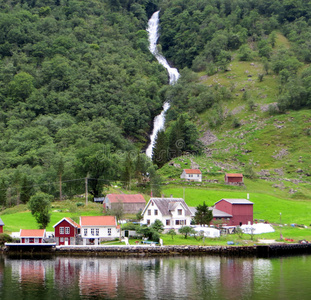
column 159, row 120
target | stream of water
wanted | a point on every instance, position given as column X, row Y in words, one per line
column 159, row 121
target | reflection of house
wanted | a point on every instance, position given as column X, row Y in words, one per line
column 173, row 212
column 235, row 178
column 31, row 236
column 191, row 175
column 66, row 231
column 234, row 211
column 97, row 228
column 98, row 277
column 131, row 204
column 1, row 226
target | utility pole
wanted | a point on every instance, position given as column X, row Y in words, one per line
column 86, row 194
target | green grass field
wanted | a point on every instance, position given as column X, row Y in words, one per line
column 266, row 207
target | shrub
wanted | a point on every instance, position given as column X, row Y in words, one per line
column 5, row 238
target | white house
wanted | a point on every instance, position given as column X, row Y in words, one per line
column 94, row 229
column 191, row 175
column 173, row 212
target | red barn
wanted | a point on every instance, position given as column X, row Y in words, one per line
column 241, row 211
column 233, row 178
column 131, row 204
column 66, row 231
column 32, row 236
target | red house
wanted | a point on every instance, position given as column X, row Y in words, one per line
column 239, row 211
column 1, row 226
column 32, row 236
column 66, row 231
column 234, row 178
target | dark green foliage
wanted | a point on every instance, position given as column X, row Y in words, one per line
column 73, row 75
column 5, row 238
column 157, row 226
column 26, row 190
column 172, row 233
column 186, row 230
column 40, row 205
column 203, row 215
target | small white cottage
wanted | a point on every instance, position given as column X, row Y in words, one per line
column 173, row 212
column 191, row 175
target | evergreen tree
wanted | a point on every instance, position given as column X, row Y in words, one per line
column 160, row 150
column 26, row 189
column 3, row 189
column 203, row 215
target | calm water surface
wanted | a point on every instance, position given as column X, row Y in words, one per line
column 155, row 278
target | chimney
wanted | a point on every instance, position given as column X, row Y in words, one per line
column 247, row 196
column 171, row 195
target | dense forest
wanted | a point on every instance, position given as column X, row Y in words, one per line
column 79, row 88
column 78, row 92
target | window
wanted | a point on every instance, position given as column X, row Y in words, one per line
column 97, row 231
column 61, row 230
column 180, row 222
column 67, row 230
column 149, row 212
column 61, row 240
column 109, row 231
column 92, row 231
column 85, row 231
column 168, row 223
column 155, row 212
column 36, row 240
column 148, row 222
column 152, row 203
column 179, row 212
column 26, row 240
column 177, row 222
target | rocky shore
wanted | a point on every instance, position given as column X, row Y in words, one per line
column 142, row 251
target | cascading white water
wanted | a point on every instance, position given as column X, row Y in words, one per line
column 159, row 120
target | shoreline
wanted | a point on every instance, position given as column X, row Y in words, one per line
column 260, row 251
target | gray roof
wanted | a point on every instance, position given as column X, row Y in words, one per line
column 216, row 212
column 1, row 222
column 236, row 201
column 166, row 205
column 220, row 214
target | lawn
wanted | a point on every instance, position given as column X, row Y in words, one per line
column 266, row 207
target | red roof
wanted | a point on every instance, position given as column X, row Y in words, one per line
column 115, row 198
column 70, row 221
column 98, row 221
column 234, row 175
column 32, row 233
column 192, row 171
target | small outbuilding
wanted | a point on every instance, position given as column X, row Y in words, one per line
column 131, row 204
column 32, row 236
column 191, row 175
column 234, row 178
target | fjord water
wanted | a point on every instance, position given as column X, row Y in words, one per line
column 204, row 277
column 153, row 34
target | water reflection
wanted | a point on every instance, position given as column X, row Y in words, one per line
column 153, row 278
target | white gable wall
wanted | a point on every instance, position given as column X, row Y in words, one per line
column 176, row 220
